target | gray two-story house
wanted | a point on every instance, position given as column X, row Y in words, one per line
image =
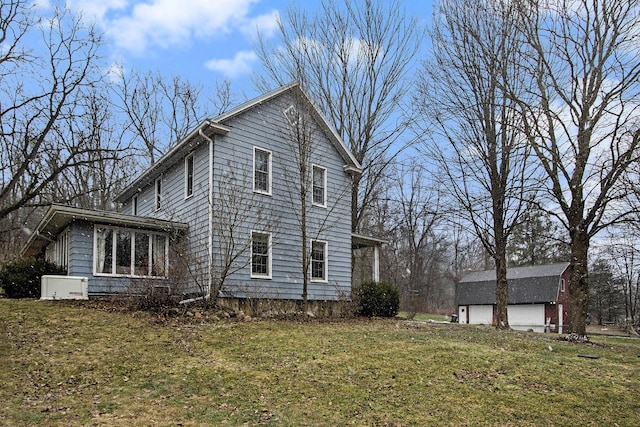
column 224, row 212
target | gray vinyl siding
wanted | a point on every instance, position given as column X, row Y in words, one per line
column 193, row 211
column 265, row 127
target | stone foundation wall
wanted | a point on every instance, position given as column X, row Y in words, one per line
column 259, row 307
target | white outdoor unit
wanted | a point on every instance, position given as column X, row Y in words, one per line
column 64, row 287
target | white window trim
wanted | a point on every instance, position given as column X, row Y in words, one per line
column 269, row 257
column 563, row 286
column 324, row 201
column 158, row 194
column 325, row 279
column 269, row 178
column 114, row 230
column 186, row 176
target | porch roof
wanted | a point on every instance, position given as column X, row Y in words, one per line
column 58, row 217
column 359, row 241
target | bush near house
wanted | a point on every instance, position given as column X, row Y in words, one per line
column 21, row 279
column 377, row 299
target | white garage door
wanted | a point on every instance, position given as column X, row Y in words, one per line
column 481, row 314
column 530, row 315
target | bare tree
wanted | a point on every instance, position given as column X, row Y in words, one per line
column 418, row 218
column 43, row 86
column 310, row 182
column 624, row 253
column 353, row 59
column 107, row 168
column 210, row 263
column 582, row 117
column 537, row 239
column 478, row 149
column 157, row 112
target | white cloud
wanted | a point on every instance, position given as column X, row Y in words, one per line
column 137, row 26
column 239, row 65
column 266, row 24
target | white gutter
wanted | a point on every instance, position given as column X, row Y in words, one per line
column 210, row 201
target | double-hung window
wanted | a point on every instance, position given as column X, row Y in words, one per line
column 188, row 176
column 131, row 253
column 260, row 254
column 319, row 186
column 261, row 171
column 318, row 261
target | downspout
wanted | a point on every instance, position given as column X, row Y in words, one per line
column 207, row 296
column 210, row 202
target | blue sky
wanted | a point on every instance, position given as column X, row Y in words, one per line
column 202, row 40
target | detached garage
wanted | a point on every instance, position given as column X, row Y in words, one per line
column 538, row 297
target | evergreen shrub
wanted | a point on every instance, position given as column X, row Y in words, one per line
column 377, row 299
column 21, row 279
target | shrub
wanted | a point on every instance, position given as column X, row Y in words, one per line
column 21, row 279
column 377, row 299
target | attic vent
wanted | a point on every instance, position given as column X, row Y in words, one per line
column 291, row 113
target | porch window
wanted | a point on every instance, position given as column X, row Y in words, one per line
column 318, row 260
column 130, row 253
column 58, row 251
column 260, row 254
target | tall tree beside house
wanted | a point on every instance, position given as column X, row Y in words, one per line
column 479, row 151
column 49, row 68
column 353, row 58
column 310, row 201
column 230, row 248
column 581, row 117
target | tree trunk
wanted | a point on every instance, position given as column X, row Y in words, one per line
column 502, row 289
column 578, row 282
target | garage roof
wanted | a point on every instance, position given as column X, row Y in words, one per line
column 527, row 285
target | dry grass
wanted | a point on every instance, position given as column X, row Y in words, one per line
column 72, row 364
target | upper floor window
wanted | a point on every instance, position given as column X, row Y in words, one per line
column 260, row 254
column 318, row 260
column 261, row 171
column 319, row 186
column 125, row 252
column 188, row 176
column 134, row 205
column 562, row 285
column 158, row 192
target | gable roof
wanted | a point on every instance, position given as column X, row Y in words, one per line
column 527, row 285
column 58, row 217
column 217, row 126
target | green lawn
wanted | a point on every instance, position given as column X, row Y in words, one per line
column 70, row 364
